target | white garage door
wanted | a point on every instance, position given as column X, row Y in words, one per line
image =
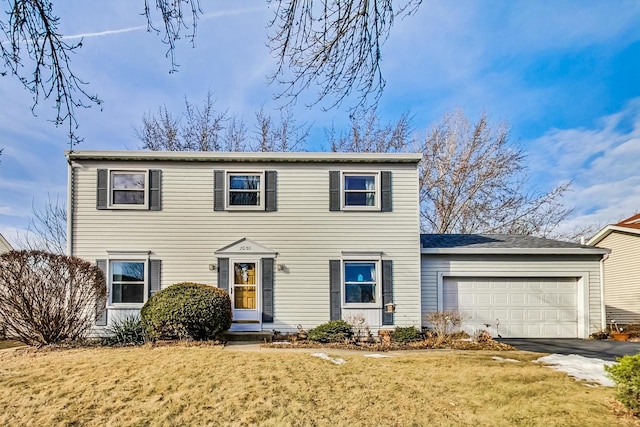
column 515, row 307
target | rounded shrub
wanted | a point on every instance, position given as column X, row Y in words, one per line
column 626, row 375
column 406, row 334
column 186, row 311
column 333, row 331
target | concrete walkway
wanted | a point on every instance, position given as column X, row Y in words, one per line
column 600, row 349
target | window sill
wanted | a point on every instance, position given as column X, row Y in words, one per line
column 370, row 306
column 360, row 209
column 125, row 306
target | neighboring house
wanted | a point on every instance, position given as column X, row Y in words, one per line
column 296, row 238
column 304, row 238
column 621, row 269
column 4, row 245
column 514, row 286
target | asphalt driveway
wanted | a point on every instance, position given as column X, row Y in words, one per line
column 600, row 349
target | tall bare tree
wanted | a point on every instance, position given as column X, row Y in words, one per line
column 367, row 135
column 204, row 129
column 46, row 227
column 472, row 179
column 333, row 44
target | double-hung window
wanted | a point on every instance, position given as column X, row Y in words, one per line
column 127, row 281
column 245, row 190
column 360, row 190
column 128, row 188
column 361, row 282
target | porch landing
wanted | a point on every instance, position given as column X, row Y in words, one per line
column 246, row 337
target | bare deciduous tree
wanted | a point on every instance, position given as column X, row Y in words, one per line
column 47, row 298
column 368, row 135
column 203, row 129
column 46, row 228
column 333, row 44
column 284, row 135
column 472, row 180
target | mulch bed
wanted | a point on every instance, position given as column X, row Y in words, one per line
column 429, row 343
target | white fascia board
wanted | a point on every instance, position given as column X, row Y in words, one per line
column 608, row 230
column 210, row 156
column 514, row 251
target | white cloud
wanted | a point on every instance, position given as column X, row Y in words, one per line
column 603, row 163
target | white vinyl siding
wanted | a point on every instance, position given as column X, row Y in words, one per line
column 305, row 234
column 622, row 277
column 437, row 267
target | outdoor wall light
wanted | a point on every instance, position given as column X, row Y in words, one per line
column 212, row 267
column 279, row 266
column 390, row 307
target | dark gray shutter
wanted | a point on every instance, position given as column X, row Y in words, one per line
column 155, row 187
column 155, row 269
column 223, row 273
column 385, row 190
column 270, row 186
column 334, row 190
column 101, row 308
column 102, row 195
column 218, row 190
column 267, row 290
column 387, row 290
column 335, row 287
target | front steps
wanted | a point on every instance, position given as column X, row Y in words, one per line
column 246, row 337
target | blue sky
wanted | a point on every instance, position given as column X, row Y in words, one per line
column 564, row 75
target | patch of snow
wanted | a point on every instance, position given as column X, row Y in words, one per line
column 580, row 367
column 377, row 355
column 325, row 356
column 502, row 359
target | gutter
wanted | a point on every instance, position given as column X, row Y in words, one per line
column 515, row 251
column 70, row 189
column 603, row 308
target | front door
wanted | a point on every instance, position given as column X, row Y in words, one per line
column 245, row 291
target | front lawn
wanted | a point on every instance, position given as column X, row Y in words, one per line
column 181, row 385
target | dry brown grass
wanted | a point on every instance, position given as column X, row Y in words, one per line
column 179, row 385
column 9, row 344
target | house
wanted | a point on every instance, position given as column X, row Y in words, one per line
column 514, row 286
column 621, row 269
column 304, row 238
column 296, row 238
column 4, row 245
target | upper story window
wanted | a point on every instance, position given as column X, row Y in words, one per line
column 127, row 282
column 245, row 190
column 360, row 190
column 128, row 188
column 237, row 190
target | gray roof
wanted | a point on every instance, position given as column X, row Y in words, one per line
column 500, row 244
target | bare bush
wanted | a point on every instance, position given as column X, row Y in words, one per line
column 47, row 298
column 444, row 322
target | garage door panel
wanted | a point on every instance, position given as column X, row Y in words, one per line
column 515, row 307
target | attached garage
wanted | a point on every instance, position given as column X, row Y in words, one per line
column 513, row 286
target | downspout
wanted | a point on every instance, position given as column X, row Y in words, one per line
column 603, row 312
column 70, row 190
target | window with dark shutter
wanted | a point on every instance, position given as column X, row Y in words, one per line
column 335, row 286
column 387, row 291
column 267, row 290
column 101, row 304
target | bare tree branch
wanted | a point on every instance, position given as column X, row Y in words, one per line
column 333, row 44
column 35, row 52
column 46, row 228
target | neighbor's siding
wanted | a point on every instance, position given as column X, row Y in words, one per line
column 304, row 233
column 516, row 266
column 622, row 277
